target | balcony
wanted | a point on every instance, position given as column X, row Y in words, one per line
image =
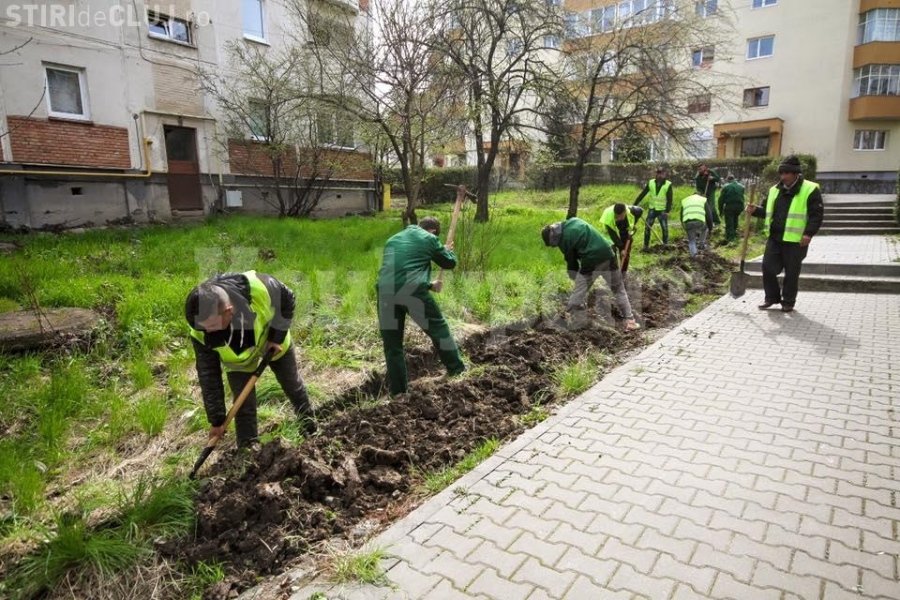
column 875, row 108
column 876, row 53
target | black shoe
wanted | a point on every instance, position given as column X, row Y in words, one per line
column 787, row 308
column 766, row 305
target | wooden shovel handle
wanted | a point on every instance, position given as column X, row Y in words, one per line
column 457, row 209
column 747, row 218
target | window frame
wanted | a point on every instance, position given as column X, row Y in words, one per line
column 881, row 134
column 334, row 120
column 253, row 105
column 884, row 76
column 758, row 41
column 757, row 91
column 706, row 8
column 262, row 22
column 869, row 22
column 85, row 114
column 697, row 103
column 761, row 4
column 704, row 62
column 153, row 16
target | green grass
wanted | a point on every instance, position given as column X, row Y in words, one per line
column 576, row 377
column 359, row 566
column 435, row 482
column 64, row 409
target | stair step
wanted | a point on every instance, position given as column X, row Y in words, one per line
column 837, row 283
column 840, row 208
column 840, row 269
column 858, row 230
column 837, row 222
column 860, row 204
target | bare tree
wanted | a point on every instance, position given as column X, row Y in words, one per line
column 500, row 49
column 276, row 129
column 388, row 77
column 634, row 77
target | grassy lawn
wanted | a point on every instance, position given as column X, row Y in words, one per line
column 106, row 427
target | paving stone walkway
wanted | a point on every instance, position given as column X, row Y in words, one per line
column 747, row 455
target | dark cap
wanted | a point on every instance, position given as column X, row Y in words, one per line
column 791, row 164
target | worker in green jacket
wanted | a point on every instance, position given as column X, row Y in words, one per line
column 731, row 205
column 706, row 182
column 588, row 256
column 404, row 288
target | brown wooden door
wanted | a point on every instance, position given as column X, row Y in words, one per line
column 184, row 168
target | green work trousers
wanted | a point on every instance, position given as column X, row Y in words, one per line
column 731, row 222
column 425, row 312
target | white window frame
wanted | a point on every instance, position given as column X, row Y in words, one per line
column 262, row 22
column 758, row 4
column 879, row 25
column 758, row 41
column 82, row 90
column 704, row 62
column 878, row 140
column 334, row 117
column 153, row 17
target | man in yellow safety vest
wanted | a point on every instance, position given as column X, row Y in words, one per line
column 793, row 214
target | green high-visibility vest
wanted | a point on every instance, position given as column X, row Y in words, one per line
column 261, row 305
column 608, row 218
column 693, row 208
column 797, row 216
column 658, row 196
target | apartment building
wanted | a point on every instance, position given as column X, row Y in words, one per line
column 103, row 118
column 814, row 76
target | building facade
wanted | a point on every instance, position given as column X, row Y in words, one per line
column 803, row 76
column 104, row 119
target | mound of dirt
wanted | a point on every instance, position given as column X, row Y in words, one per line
column 258, row 512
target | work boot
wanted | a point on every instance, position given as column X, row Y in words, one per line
column 787, row 308
column 632, row 325
column 766, row 305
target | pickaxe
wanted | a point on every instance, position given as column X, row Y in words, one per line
column 461, row 194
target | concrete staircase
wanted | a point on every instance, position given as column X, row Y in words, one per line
column 882, row 278
column 859, row 217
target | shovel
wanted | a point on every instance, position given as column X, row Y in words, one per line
column 234, row 408
column 739, row 278
column 626, row 255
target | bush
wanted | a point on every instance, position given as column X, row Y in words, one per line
column 434, row 186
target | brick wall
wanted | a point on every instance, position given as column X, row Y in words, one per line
column 250, row 158
column 69, row 143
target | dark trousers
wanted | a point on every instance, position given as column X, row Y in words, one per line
column 782, row 256
column 663, row 217
column 711, row 207
column 425, row 312
column 731, row 223
column 288, row 376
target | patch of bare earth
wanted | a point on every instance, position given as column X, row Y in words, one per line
column 261, row 513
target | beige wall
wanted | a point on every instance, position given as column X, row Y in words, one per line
column 810, row 77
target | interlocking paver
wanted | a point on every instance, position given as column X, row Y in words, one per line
column 702, row 468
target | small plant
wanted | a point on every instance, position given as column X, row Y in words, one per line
column 435, row 482
column 574, row 378
column 151, row 414
column 202, row 576
column 157, row 507
column 536, row 415
column 363, row 566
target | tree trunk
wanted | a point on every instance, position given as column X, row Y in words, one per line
column 575, row 187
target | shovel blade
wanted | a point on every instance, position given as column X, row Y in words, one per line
column 738, row 284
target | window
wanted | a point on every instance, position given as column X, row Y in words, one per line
column 168, row 28
column 869, row 139
column 702, row 58
column 763, row 3
column 334, row 129
column 756, row 97
column 876, row 80
column 603, row 19
column 879, row 25
column 699, row 104
column 513, row 48
column 755, row 146
column 761, row 47
column 552, row 41
column 706, row 8
column 576, row 26
column 254, row 20
column 66, row 93
column 701, row 144
column 258, row 120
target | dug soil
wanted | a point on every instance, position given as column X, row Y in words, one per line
column 260, row 512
